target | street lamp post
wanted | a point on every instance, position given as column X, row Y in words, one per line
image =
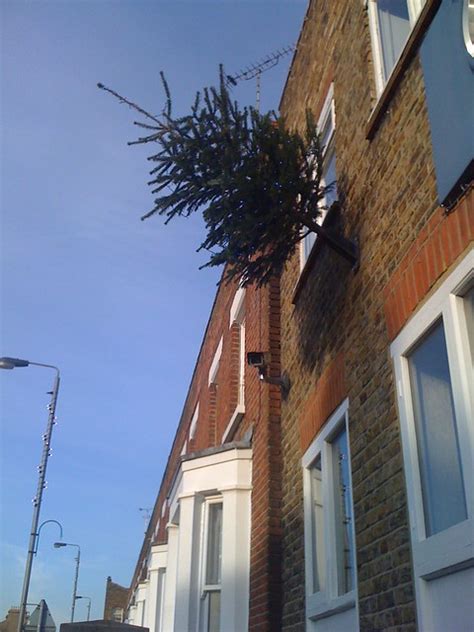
column 11, row 363
column 59, row 545
column 88, row 605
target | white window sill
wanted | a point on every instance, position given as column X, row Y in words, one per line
column 319, row 608
column 439, row 554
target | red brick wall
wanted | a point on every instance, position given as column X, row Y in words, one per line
column 443, row 238
column 328, row 392
column 262, row 411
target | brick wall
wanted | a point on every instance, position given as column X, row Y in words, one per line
column 116, row 596
column 346, row 319
column 441, row 241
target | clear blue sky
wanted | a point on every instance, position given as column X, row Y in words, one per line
column 118, row 304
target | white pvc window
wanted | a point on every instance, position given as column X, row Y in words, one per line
column 391, row 22
column 329, row 521
column 194, row 421
column 326, row 129
column 237, row 317
column 444, row 501
column 117, row 615
column 468, row 25
column 210, row 609
column 213, row 371
column 433, row 360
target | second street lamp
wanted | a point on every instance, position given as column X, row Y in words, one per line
column 12, row 363
column 59, row 545
column 88, row 605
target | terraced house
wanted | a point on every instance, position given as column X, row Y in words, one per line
column 210, row 558
column 377, row 429
column 346, row 502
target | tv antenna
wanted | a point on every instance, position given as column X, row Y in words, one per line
column 146, row 515
column 254, row 71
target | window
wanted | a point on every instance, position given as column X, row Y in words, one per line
column 237, row 321
column 160, row 599
column 212, row 563
column 241, row 382
column 433, row 359
column 468, row 25
column 436, row 431
column 329, row 529
column 391, row 22
column 194, row 421
column 117, row 615
column 213, row 371
column 326, row 128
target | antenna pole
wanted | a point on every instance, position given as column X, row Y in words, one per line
column 255, row 70
column 257, row 99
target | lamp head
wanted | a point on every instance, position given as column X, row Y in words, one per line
column 58, row 545
column 11, row 363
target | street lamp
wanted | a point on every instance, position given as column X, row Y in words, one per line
column 88, row 605
column 12, row 363
column 59, row 545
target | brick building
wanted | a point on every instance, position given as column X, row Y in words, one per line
column 116, row 601
column 211, row 551
column 347, row 504
column 10, row 623
column 377, row 429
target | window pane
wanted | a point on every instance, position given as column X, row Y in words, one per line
column 317, row 526
column 160, row 599
column 308, row 243
column 327, row 131
column 214, row 544
column 343, row 514
column 329, row 177
column 394, row 26
column 214, row 611
column 435, row 423
column 468, row 302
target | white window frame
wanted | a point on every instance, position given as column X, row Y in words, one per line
column 446, row 551
column 115, row 611
column 467, row 17
column 326, row 602
column 237, row 316
column 194, row 421
column 207, row 588
column 215, row 364
column 327, row 116
column 160, row 599
column 414, row 9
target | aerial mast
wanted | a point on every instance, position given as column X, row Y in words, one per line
column 254, row 71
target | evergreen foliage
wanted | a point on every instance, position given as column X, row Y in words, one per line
column 257, row 183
